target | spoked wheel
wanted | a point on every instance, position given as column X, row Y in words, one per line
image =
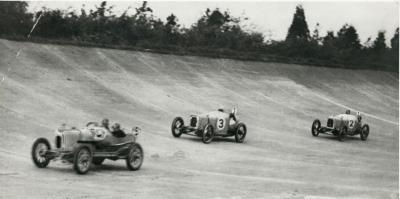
column 342, row 134
column 176, row 127
column 316, row 126
column 39, row 149
column 240, row 133
column 135, row 157
column 82, row 160
column 208, row 134
column 364, row 132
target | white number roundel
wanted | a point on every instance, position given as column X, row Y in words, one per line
column 351, row 123
column 220, row 123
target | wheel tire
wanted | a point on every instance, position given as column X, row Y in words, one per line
column 315, row 127
column 364, row 132
column 39, row 148
column 177, row 123
column 135, row 157
column 240, row 133
column 82, row 160
column 208, row 134
column 342, row 134
column 98, row 161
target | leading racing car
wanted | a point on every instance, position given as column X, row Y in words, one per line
column 342, row 125
column 91, row 144
column 209, row 125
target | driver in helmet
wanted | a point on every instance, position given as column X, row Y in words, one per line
column 233, row 114
column 347, row 112
column 105, row 123
column 117, row 131
column 359, row 116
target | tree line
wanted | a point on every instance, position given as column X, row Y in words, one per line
column 216, row 33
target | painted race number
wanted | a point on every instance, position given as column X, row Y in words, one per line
column 220, row 123
column 351, row 124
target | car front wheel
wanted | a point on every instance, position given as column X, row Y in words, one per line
column 364, row 132
column 39, row 149
column 82, row 160
column 240, row 133
column 316, row 126
column 208, row 134
column 342, row 134
column 176, row 127
column 135, row 157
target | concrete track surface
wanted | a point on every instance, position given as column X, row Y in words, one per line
column 47, row 85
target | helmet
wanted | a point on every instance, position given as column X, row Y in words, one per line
column 347, row 111
column 116, row 126
column 359, row 116
column 234, row 111
column 105, row 120
column 221, row 109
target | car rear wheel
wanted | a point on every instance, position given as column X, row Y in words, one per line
column 342, row 134
column 135, row 157
column 240, row 133
column 364, row 132
column 98, row 161
column 39, row 149
column 208, row 134
column 316, row 126
column 82, row 160
column 176, row 127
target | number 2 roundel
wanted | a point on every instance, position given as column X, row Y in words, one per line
column 351, row 123
column 220, row 123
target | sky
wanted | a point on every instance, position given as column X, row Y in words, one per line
column 272, row 18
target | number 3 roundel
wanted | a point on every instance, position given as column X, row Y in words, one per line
column 220, row 123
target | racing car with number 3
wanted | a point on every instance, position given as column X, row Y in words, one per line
column 91, row 144
column 209, row 125
column 342, row 125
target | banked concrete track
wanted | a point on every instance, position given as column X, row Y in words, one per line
column 47, row 85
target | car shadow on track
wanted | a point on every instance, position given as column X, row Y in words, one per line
column 108, row 165
column 355, row 138
column 215, row 139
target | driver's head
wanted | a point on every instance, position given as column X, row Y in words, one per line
column 359, row 116
column 234, row 111
column 116, row 126
column 347, row 111
column 221, row 109
column 105, row 122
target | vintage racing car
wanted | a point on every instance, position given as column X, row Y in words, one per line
column 342, row 125
column 209, row 125
column 91, row 144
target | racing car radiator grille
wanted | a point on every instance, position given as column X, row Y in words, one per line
column 330, row 123
column 193, row 122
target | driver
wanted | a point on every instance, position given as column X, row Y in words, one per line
column 347, row 112
column 105, row 123
column 117, row 131
column 359, row 117
column 233, row 114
